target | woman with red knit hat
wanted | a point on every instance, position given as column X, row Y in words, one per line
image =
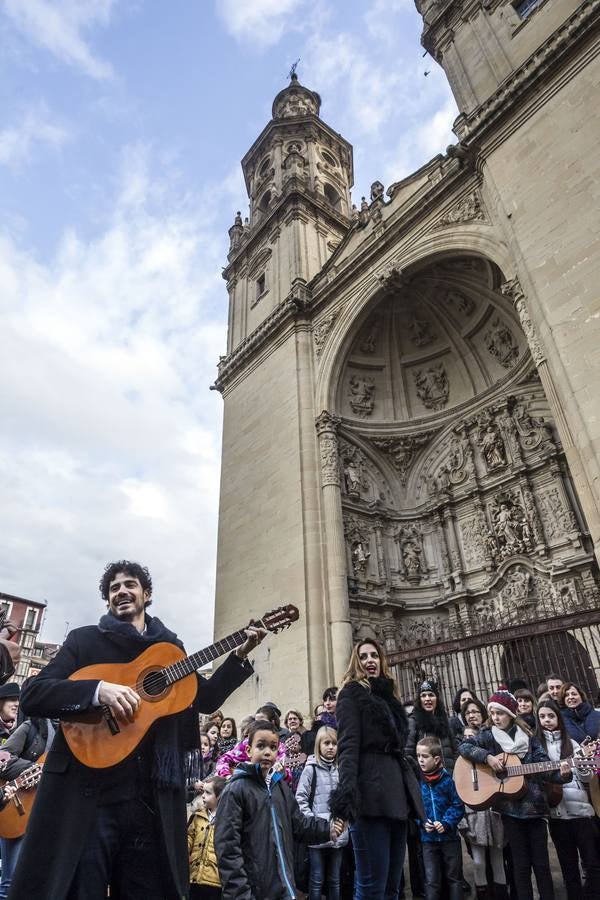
column 524, row 819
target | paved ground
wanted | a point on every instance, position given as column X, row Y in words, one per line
column 559, row 887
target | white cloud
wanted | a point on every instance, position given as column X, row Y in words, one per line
column 110, row 438
column 59, row 26
column 260, row 22
column 35, row 127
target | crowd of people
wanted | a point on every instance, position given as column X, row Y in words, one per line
column 280, row 805
column 385, row 767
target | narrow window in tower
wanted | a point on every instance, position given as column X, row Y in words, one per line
column 260, row 285
column 525, row 7
column 331, row 195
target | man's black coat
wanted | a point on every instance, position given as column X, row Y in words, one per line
column 66, row 803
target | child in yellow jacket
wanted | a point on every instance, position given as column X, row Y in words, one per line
column 205, row 883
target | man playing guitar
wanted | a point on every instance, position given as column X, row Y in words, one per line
column 125, row 825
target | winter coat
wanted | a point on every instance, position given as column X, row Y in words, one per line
column 226, row 764
column 375, row 779
column 582, row 721
column 575, row 803
column 533, row 804
column 309, row 737
column 422, row 724
column 457, row 727
column 484, row 827
column 255, row 831
column 26, row 744
column 442, row 804
column 327, row 778
column 201, row 850
column 69, row 792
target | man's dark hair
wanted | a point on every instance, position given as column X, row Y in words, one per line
column 330, row 693
column 554, row 677
column 261, row 726
column 128, row 568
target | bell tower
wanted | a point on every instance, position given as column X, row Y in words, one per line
column 298, row 175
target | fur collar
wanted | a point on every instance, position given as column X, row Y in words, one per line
column 435, row 723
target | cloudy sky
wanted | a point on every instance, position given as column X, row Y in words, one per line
column 122, row 126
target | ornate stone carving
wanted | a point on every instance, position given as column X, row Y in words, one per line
column 367, row 345
column 513, row 290
column 461, row 463
column 501, row 344
column 532, row 431
column 460, row 302
column 402, row 450
column 490, row 442
column 558, row 521
column 410, row 540
column 467, row 210
column 433, row 387
column 473, row 541
column 392, row 278
column 321, row 331
column 422, row 334
column 353, row 462
column 532, row 516
column 361, row 395
column 327, row 426
column 358, row 540
column 511, row 527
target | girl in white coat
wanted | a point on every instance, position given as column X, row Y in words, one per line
column 318, row 780
column 573, row 828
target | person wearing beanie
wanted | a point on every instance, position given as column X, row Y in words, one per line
column 428, row 719
column 523, row 818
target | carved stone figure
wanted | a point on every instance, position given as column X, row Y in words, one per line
column 352, row 475
column 433, row 388
column 460, row 302
column 491, row 545
column 506, row 526
column 422, row 335
column 377, row 190
column 411, row 548
column 512, row 528
column 532, row 517
column 501, row 344
column 467, row 210
column 491, row 443
column 368, row 344
column 513, row 290
column 362, row 389
column 364, row 214
column 392, row 278
column 360, row 557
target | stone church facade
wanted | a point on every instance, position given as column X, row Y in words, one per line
column 411, row 439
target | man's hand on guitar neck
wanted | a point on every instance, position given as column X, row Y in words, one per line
column 123, row 701
column 254, row 635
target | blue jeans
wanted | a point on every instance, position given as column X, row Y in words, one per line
column 9, row 848
column 379, row 846
column 325, row 866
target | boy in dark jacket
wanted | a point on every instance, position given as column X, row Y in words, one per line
column 443, row 812
column 257, row 823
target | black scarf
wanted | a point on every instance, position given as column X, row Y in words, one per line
column 431, row 723
column 383, row 688
column 167, row 770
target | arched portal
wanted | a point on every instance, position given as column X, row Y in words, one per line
column 459, row 513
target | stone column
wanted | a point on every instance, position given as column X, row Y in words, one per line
column 513, row 290
column 337, row 574
column 381, row 566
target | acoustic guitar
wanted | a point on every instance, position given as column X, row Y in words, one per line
column 15, row 815
column 165, row 679
column 478, row 786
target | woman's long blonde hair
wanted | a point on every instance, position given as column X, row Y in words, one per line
column 355, row 671
column 324, row 732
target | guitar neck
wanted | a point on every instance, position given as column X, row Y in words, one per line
column 532, row 768
column 185, row 667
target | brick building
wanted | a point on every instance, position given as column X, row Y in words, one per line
column 28, row 616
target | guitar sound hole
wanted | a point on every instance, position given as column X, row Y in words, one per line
column 154, row 683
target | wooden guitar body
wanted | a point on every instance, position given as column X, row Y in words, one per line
column 478, row 785
column 88, row 734
column 12, row 822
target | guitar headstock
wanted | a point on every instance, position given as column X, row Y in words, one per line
column 4, row 759
column 278, row 619
column 588, row 755
column 30, row 777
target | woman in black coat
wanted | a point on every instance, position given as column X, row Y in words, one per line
column 430, row 719
column 378, row 790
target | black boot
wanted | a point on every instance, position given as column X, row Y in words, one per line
column 500, row 891
column 482, row 891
